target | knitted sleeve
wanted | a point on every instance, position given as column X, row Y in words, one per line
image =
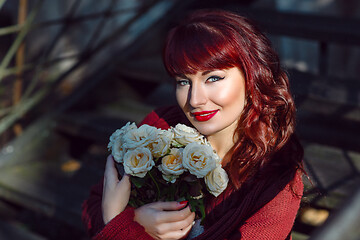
column 166, row 117
column 274, row 221
column 91, row 211
column 121, row 227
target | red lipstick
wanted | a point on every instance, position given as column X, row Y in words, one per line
column 204, row 115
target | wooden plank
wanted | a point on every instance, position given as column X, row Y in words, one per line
column 330, row 89
column 98, row 126
column 344, row 223
column 332, row 130
column 48, row 186
column 150, row 69
column 43, row 187
column 308, row 26
column 342, row 112
column 91, row 126
column 29, row 145
column 334, row 171
column 299, row 236
column 16, row 231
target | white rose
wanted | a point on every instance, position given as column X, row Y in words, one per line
column 171, row 165
column 116, row 144
column 199, row 159
column 216, row 181
column 120, row 132
column 185, row 135
column 140, row 137
column 161, row 145
column 138, row 162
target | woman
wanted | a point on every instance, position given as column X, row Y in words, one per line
column 231, row 88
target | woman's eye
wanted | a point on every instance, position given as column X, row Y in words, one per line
column 214, row 79
column 182, row 82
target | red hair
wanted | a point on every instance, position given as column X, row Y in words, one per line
column 216, row 39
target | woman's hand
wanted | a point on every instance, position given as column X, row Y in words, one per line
column 165, row 220
column 116, row 193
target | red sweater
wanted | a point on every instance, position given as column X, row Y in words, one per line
column 271, row 217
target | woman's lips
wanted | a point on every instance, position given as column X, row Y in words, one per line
column 204, row 115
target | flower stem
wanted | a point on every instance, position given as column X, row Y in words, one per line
column 157, row 186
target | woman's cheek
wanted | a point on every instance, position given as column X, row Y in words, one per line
column 223, row 96
column 231, row 93
column 181, row 96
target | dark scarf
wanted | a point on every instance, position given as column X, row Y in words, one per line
column 241, row 205
column 228, row 216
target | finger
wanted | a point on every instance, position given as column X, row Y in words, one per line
column 168, row 206
column 179, row 234
column 111, row 178
column 182, row 224
column 186, row 231
column 174, row 216
column 123, row 192
column 124, row 185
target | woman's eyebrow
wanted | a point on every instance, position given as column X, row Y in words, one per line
column 181, row 76
column 209, row 71
column 206, row 72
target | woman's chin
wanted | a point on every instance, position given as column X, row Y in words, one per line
column 206, row 131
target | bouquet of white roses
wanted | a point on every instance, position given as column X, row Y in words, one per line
column 168, row 165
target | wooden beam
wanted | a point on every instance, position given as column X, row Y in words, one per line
column 308, row 26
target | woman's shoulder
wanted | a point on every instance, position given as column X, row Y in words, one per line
column 293, row 191
column 276, row 218
column 297, row 183
column 165, row 117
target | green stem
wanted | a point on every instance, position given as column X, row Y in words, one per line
column 157, row 186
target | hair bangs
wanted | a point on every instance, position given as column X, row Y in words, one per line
column 198, row 48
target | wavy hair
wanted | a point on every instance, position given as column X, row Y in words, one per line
column 217, row 39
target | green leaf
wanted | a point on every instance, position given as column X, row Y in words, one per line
column 133, row 193
column 176, row 144
column 202, row 212
column 138, row 182
column 132, row 203
column 197, row 206
column 183, row 190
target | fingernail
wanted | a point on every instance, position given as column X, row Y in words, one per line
column 183, row 202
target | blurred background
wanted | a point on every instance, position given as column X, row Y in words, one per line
column 73, row 71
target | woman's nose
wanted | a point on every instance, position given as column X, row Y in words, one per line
column 197, row 96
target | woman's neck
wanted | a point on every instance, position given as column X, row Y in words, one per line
column 221, row 142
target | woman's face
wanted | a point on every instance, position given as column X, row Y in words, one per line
column 213, row 101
